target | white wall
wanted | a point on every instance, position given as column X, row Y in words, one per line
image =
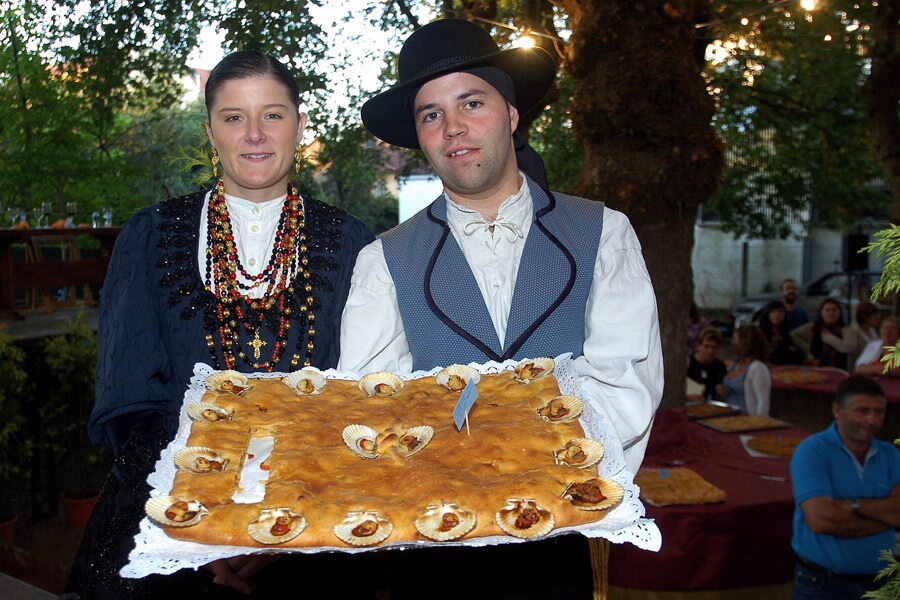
column 720, row 271
column 417, row 192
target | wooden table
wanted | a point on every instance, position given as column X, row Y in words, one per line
column 807, row 404
column 35, row 273
column 741, row 543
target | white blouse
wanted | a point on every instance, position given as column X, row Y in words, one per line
column 254, row 225
column 621, row 369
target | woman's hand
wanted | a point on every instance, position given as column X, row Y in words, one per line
column 235, row 572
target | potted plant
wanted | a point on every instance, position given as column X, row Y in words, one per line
column 15, row 448
column 71, row 362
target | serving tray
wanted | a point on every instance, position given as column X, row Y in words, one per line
column 741, row 423
column 712, row 408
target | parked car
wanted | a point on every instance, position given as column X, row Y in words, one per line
column 846, row 288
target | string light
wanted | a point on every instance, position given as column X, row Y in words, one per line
column 524, row 41
column 744, row 19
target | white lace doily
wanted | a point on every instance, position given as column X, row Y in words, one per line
column 155, row 552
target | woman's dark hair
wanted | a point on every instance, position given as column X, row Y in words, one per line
column 756, row 345
column 820, row 322
column 816, row 345
column 864, row 310
column 768, row 328
column 245, row 64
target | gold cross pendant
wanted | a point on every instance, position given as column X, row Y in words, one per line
column 257, row 344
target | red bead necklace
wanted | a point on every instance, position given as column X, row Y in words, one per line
column 236, row 311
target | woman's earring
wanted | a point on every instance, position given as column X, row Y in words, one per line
column 298, row 157
column 215, row 162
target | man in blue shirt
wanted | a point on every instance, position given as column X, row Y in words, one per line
column 795, row 315
column 847, row 497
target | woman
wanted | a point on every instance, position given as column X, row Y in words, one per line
column 781, row 347
column 703, row 365
column 870, row 359
column 748, row 383
column 868, row 317
column 827, row 341
column 249, row 276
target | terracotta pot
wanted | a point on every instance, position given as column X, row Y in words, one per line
column 78, row 510
column 8, row 527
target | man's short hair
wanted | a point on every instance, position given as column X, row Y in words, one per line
column 710, row 333
column 857, row 384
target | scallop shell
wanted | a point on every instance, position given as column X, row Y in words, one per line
column 414, row 439
column 305, row 381
column 579, row 452
column 362, row 440
column 455, row 377
column 208, row 412
column 381, row 383
column 594, row 494
column 363, row 528
column 443, row 522
column 191, row 511
column 264, row 531
column 561, row 409
column 532, row 368
column 523, row 518
column 229, row 382
column 187, row 459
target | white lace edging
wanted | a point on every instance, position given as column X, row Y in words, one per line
column 155, row 552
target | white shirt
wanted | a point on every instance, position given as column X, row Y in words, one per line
column 254, row 225
column 870, row 353
column 621, row 370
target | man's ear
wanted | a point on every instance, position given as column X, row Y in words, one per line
column 513, row 116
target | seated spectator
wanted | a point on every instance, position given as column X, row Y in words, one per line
column 868, row 317
column 827, row 340
column 748, row 383
column 703, row 365
column 790, row 295
column 697, row 324
column 773, row 323
column 869, row 361
column 846, row 485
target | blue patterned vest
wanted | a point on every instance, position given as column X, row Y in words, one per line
column 444, row 315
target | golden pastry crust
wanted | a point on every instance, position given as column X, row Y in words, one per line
column 506, row 452
column 781, row 446
column 799, row 376
column 678, row 485
column 738, row 423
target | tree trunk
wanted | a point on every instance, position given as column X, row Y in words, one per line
column 882, row 94
column 644, row 116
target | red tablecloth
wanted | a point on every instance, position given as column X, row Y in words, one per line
column 742, row 542
column 808, row 405
column 891, row 385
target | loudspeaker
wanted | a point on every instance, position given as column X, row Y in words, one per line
column 851, row 258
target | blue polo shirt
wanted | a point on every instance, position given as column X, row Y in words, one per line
column 823, row 466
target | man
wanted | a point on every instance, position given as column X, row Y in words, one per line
column 869, row 361
column 704, row 367
column 847, row 495
column 498, row 267
column 796, row 315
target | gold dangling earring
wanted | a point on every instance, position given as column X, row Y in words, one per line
column 298, row 157
column 215, row 162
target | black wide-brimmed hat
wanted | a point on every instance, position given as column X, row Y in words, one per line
column 448, row 46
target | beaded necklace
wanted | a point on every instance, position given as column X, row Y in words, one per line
column 236, row 311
